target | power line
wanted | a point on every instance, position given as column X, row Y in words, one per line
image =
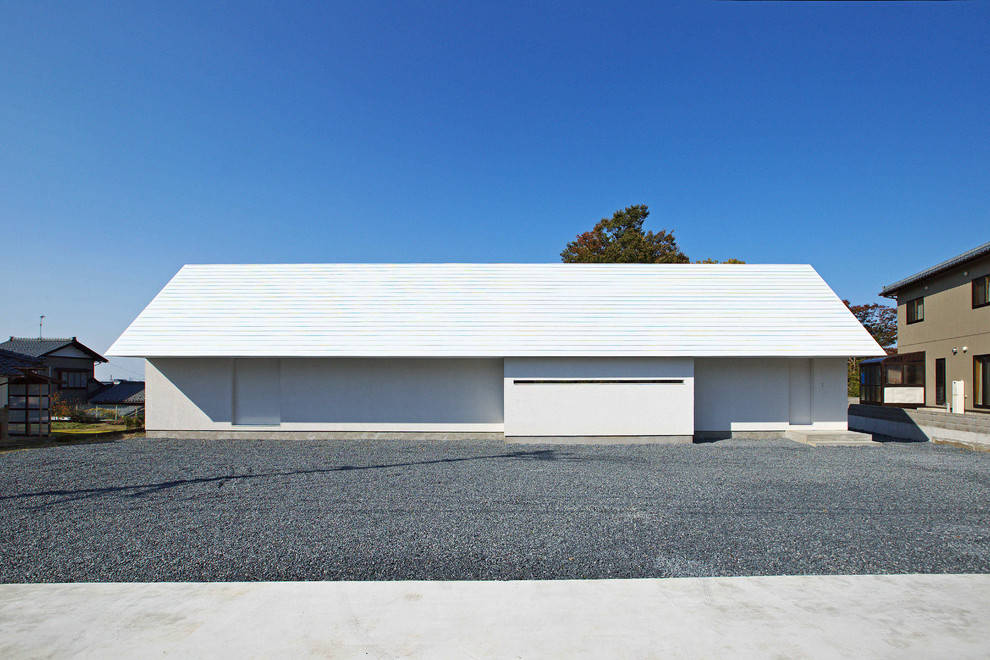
column 114, row 364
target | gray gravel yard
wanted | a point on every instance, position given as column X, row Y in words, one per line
column 152, row 510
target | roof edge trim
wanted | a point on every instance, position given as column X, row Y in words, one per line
column 891, row 290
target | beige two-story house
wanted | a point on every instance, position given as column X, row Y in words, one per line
column 943, row 318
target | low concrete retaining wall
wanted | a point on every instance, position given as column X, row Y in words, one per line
column 922, row 424
column 712, row 436
column 599, row 439
column 324, row 435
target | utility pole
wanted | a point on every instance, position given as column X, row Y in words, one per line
column 41, row 323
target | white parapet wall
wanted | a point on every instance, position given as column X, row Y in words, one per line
column 644, row 398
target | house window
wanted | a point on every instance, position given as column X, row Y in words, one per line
column 74, row 379
column 870, row 389
column 916, row 310
column 940, row 382
column 981, row 291
column 981, row 381
column 914, row 373
column 911, row 373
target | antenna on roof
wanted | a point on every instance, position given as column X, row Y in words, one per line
column 41, row 323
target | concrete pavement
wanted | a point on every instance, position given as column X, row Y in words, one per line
column 818, row 616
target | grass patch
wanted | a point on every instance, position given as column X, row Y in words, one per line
column 84, row 428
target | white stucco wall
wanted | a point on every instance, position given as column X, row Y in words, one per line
column 71, row 352
column 755, row 394
column 333, row 394
column 554, row 408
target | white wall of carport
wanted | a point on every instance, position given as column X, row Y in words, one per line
column 393, row 394
column 334, row 394
column 753, row 394
column 599, row 409
column 187, row 394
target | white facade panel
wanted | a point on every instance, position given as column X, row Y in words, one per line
column 904, row 395
column 256, row 391
column 599, row 397
column 830, row 394
column 495, row 310
column 800, row 390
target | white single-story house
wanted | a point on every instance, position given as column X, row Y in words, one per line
column 528, row 352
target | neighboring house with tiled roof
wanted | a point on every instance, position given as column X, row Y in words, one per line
column 24, row 396
column 121, row 393
column 17, row 364
column 67, row 360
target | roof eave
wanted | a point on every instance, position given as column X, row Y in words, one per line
column 891, row 290
column 75, row 343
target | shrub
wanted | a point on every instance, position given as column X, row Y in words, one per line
column 82, row 416
column 58, row 407
column 852, row 376
column 104, row 414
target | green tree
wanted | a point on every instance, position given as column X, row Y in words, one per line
column 716, row 261
column 621, row 239
column 881, row 322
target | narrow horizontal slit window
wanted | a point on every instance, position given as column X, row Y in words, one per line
column 613, row 381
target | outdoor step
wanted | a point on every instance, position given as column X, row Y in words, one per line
column 830, row 438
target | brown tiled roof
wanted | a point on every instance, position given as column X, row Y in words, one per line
column 36, row 347
column 16, row 364
column 130, row 392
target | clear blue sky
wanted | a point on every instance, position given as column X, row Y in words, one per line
column 136, row 137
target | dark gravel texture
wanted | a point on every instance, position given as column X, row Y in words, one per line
column 168, row 510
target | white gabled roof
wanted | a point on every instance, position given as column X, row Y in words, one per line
column 496, row 310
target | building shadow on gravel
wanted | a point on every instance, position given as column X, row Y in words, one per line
column 141, row 490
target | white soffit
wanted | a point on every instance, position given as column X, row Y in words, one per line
column 495, row 310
